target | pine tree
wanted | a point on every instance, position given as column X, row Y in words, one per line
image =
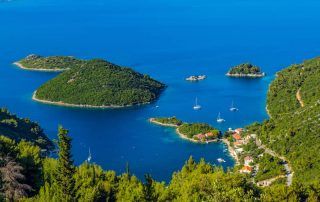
column 65, row 169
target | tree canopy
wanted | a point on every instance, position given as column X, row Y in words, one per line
column 100, row 83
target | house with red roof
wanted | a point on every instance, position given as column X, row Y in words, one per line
column 236, row 136
column 238, row 130
column 246, row 169
column 200, row 137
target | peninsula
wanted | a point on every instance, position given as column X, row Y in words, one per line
column 245, row 70
column 49, row 64
column 195, row 132
column 98, row 84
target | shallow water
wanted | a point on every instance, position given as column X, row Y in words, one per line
column 169, row 40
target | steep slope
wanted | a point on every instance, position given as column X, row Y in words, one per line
column 23, row 129
column 294, row 130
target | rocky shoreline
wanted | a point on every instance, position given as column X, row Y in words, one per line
column 246, row 75
column 80, row 105
column 38, row 69
column 152, row 120
column 231, row 150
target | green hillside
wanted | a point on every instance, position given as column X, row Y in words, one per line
column 100, row 83
column 294, row 128
column 22, row 129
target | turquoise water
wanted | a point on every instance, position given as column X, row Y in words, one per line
column 169, row 40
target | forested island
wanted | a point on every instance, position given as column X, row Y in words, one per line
column 51, row 63
column 92, row 83
column 195, row 132
column 245, row 70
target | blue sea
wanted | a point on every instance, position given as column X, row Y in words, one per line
column 170, row 40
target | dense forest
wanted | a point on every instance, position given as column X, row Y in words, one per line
column 294, row 127
column 245, row 69
column 28, row 176
column 23, row 129
column 100, row 83
column 50, row 63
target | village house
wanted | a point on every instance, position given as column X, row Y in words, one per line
column 209, row 135
column 248, row 160
column 246, row 169
column 200, row 136
column 236, row 136
column 238, row 131
column 247, row 139
column 237, row 143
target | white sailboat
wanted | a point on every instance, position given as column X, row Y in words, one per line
column 232, row 108
column 197, row 106
column 221, row 160
column 89, row 157
column 219, row 119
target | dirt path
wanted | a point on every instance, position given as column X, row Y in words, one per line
column 298, row 96
column 268, row 182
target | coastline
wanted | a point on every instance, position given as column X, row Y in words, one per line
column 181, row 135
column 152, row 120
column 62, row 104
column 246, row 75
column 40, row 69
column 231, row 151
column 193, row 140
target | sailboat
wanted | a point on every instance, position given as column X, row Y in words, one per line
column 197, row 106
column 232, row 108
column 221, row 160
column 219, row 119
column 89, row 157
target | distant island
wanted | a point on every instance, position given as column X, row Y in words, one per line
column 245, row 70
column 52, row 63
column 195, row 132
column 91, row 83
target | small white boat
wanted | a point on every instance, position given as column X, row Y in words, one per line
column 197, row 106
column 89, row 157
column 219, row 119
column 221, row 160
column 233, row 108
column 196, row 78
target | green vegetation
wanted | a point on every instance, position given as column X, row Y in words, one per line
column 65, row 168
column 50, row 63
column 100, row 83
column 269, row 167
column 170, row 120
column 38, row 178
column 293, row 130
column 245, row 69
column 191, row 129
column 22, row 129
